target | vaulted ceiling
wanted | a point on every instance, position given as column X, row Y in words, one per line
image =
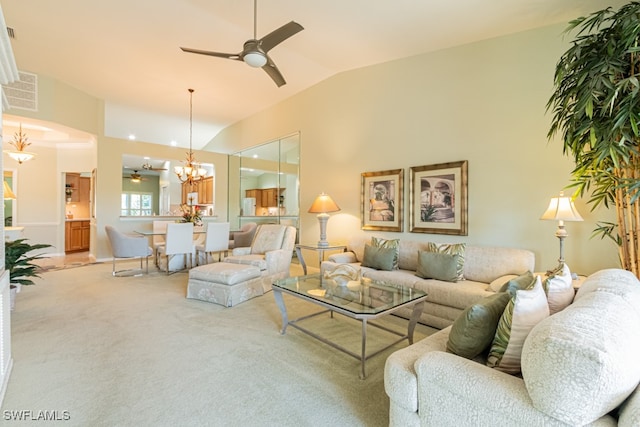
column 128, row 52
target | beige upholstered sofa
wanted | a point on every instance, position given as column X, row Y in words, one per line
column 446, row 300
column 579, row 367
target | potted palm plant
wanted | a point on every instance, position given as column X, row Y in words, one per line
column 596, row 109
column 18, row 263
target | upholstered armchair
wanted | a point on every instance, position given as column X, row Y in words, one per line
column 242, row 238
column 125, row 246
column 271, row 250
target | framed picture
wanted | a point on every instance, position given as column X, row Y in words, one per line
column 382, row 200
column 438, row 198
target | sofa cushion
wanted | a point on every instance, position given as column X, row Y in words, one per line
column 440, row 266
column 559, row 288
column 451, row 249
column 394, row 244
column 378, row 257
column 521, row 282
column 526, row 309
column 474, row 330
column 485, row 264
column 581, row 363
column 268, row 237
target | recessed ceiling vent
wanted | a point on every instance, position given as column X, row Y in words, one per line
column 23, row 94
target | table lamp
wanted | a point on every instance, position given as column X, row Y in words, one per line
column 321, row 205
column 561, row 209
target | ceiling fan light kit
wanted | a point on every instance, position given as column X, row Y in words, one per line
column 255, row 59
column 254, row 51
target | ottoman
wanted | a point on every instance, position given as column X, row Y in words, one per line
column 224, row 283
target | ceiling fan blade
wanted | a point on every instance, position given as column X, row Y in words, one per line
column 235, row 56
column 271, row 69
column 279, row 35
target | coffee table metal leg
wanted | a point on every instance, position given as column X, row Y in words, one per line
column 415, row 315
column 283, row 310
column 363, row 352
column 301, row 259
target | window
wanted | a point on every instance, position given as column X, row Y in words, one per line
column 136, row 204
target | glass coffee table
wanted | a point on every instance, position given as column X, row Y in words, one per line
column 362, row 300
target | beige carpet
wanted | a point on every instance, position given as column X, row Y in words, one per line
column 135, row 352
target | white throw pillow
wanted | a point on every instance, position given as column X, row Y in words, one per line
column 559, row 289
column 523, row 312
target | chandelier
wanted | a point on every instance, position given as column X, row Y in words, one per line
column 191, row 171
column 20, row 142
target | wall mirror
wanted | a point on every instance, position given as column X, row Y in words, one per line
column 151, row 188
column 264, row 183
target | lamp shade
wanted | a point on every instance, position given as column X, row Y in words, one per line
column 323, row 204
column 8, row 194
column 561, row 209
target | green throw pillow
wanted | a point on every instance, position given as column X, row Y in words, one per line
column 435, row 265
column 379, row 242
column 451, row 249
column 378, row 258
column 524, row 281
column 473, row 331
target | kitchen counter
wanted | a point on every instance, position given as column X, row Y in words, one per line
column 76, row 219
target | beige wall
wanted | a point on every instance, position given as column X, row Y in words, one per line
column 483, row 102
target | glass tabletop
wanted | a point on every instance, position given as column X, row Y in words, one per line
column 364, row 296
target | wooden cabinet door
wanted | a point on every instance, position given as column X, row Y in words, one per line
column 257, row 194
column 269, row 197
column 85, row 235
column 83, row 189
column 205, row 191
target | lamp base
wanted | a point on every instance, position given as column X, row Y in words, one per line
column 322, row 220
column 323, row 244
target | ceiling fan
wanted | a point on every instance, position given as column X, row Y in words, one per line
column 255, row 50
column 148, row 167
column 136, row 177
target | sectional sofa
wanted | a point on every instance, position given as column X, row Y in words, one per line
column 579, row 367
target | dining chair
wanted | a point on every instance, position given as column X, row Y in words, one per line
column 216, row 240
column 178, row 241
column 125, row 246
column 159, row 231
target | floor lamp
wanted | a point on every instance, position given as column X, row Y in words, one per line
column 322, row 205
column 561, row 209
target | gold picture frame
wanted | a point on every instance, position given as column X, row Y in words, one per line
column 438, row 198
column 382, row 200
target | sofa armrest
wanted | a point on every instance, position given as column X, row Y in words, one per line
column 454, row 391
column 278, row 261
column 343, row 258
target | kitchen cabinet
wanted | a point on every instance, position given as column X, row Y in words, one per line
column 84, row 189
column 205, row 191
column 204, row 188
column 256, row 194
column 77, row 236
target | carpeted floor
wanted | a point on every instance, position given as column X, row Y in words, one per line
column 105, row 351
